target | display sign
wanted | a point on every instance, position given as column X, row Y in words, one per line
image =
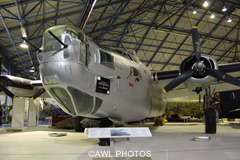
column 119, row 132
column 103, row 85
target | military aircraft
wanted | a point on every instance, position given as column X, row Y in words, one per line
column 90, row 80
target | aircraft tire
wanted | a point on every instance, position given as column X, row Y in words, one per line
column 77, row 125
column 210, row 121
column 105, row 141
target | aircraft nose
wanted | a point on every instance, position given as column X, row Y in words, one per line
column 39, row 56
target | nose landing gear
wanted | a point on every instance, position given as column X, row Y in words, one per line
column 210, row 114
column 77, row 125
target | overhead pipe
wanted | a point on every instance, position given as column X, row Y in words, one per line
column 87, row 12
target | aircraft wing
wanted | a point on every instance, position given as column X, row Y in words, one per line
column 162, row 78
column 20, row 87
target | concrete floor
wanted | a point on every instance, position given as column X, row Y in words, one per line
column 170, row 142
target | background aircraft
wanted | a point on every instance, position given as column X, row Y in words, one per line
column 111, row 84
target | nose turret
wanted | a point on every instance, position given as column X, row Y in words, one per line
column 63, row 68
column 63, row 43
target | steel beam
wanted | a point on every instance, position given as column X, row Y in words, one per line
column 229, row 50
column 237, row 24
column 149, row 28
column 21, row 24
column 155, row 53
column 13, row 42
column 150, row 45
column 118, row 12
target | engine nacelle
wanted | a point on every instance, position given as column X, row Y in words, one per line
column 199, row 80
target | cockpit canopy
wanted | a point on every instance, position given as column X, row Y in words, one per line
column 50, row 43
column 129, row 54
column 65, row 43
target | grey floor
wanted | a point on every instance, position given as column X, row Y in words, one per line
column 170, row 142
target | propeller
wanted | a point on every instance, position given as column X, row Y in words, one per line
column 222, row 76
column 178, row 80
column 7, row 92
column 196, row 43
column 40, row 92
column 235, row 110
column 3, row 85
column 199, row 68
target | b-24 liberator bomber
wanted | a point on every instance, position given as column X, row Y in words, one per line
column 89, row 80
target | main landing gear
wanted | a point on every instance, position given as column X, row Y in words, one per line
column 210, row 114
column 78, row 126
column 105, row 141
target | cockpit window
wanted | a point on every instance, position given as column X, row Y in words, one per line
column 106, row 59
column 72, row 32
column 129, row 54
column 76, row 34
column 50, row 43
column 83, row 53
column 63, row 98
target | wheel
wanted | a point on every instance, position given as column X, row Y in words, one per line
column 105, row 141
column 210, row 121
column 77, row 125
column 106, row 123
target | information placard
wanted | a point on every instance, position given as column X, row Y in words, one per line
column 123, row 132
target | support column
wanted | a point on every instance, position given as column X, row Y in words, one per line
column 32, row 114
column 18, row 113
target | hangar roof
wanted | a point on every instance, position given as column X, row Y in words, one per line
column 158, row 30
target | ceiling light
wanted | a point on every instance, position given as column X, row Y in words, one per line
column 229, row 20
column 194, row 11
column 23, row 32
column 31, row 70
column 24, row 45
column 224, row 9
column 205, row 4
column 212, row 15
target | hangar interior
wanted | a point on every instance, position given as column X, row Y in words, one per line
column 159, row 31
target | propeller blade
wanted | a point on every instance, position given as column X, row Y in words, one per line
column 40, row 92
column 0, row 64
column 7, row 92
column 196, row 43
column 222, row 76
column 199, row 98
column 235, row 110
column 178, row 80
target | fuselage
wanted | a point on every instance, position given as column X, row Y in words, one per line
column 90, row 80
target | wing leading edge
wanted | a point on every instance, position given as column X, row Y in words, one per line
column 162, row 78
column 20, row 87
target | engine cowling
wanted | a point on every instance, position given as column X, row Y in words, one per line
column 198, row 71
column 200, row 79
